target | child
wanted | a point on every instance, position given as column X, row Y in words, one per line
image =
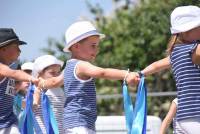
column 48, row 66
column 9, row 52
column 184, row 54
column 21, row 87
column 82, row 40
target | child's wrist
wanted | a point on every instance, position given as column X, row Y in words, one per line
column 126, row 75
column 30, row 79
column 43, row 86
column 141, row 74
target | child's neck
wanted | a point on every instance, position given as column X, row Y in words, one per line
column 77, row 57
column 4, row 61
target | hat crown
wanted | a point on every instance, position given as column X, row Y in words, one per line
column 77, row 29
column 27, row 66
column 7, row 34
column 185, row 18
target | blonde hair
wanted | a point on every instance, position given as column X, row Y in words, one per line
column 175, row 39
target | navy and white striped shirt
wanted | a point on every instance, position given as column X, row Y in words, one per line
column 187, row 76
column 7, row 92
column 80, row 105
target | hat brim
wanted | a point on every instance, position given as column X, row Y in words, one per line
column 66, row 49
column 11, row 40
column 185, row 27
column 22, row 43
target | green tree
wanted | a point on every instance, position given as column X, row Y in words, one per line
column 137, row 35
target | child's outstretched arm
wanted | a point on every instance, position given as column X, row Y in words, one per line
column 45, row 85
column 157, row 66
column 5, row 71
column 52, row 82
column 168, row 118
column 85, row 70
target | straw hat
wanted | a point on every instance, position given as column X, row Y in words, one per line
column 7, row 35
column 78, row 31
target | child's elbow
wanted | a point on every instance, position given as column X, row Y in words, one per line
column 100, row 74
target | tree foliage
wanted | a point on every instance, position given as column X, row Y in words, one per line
column 137, row 35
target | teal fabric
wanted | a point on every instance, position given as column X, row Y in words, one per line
column 48, row 116
column 17, row 106
column 29, row 123
column 136, row 117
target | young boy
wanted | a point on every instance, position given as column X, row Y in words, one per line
column 9, row 53
column 80, row 113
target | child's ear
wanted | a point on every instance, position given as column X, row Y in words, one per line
column 75, row 46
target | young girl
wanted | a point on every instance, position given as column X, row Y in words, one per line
column 80, row 113
column 9, row 53
column 184, row 59
column 48, row 66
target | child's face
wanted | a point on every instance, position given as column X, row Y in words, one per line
column 88, row 49
column 196, row 33
column 193, row 34
column 11, row 52
column 51, row 71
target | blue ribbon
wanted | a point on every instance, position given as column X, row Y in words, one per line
column 28, row 121
column 136, row 117
column 48, row 116
column 17, row 106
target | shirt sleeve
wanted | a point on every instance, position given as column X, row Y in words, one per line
column 193, row 48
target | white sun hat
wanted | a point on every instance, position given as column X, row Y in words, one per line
column 78, row 31
column 27, row 66
column 43, row 62
column 185, row 18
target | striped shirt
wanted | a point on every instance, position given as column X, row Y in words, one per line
column 80, row 105
column 57, row 99
column 187, row 76
column 7, row 92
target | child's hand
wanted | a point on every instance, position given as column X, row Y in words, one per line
column 133, row 78
column 41, row 83
column 34, row 80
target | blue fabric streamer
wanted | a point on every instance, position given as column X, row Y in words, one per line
column 136, row 117
column 17, row 106
column 48, row 116
column 28, row 119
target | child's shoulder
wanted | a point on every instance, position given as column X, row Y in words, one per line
column 78, row 61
